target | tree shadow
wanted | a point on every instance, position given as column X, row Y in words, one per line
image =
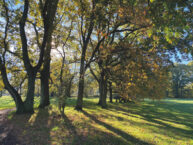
column 126, row 136
column 164, row 115
column 34, row 128
column 72, row 130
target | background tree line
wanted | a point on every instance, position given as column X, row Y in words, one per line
column 181, row 81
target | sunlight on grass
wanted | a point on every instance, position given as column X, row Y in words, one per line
column 32, row 118
column 6, row 102
column 164, row 122
column 180, row 126
column 181, row 101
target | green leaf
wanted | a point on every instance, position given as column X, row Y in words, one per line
column 152, row 1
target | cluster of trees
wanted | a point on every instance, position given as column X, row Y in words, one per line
column 181, row 81
column 125, row 46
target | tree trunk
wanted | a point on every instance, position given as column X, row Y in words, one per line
column 20, row 108
column 100, row 92
column 45, row 75
column 181, row 92
column 29, row 102
column 69, row 86
column 80, row 91
column 103, row 92
column 81, row 83
column 20, row 90
column 110, row 92
column 14, row 94
column 18, row 101
column 79, row 102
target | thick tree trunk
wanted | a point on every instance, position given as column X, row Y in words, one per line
column 29, row 102
column 110, row 92
column 45, row 75
column 20, row 108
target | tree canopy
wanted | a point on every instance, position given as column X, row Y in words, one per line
column 126, row 46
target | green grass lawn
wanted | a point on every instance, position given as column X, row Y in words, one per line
column 6, row 102
column 150, row 122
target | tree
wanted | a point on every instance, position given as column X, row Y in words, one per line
column 1, row 87
column 48, row 9
column 102, row 24
column 45, row 70
column 181, row 78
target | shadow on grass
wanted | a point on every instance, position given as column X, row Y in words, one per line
column 163, row 114
column 126, row 136
column 34, row 128
column 72, row 130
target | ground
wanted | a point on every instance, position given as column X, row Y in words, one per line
column 165, row 122
column 6, row 135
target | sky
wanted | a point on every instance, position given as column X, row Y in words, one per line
column 183, row 60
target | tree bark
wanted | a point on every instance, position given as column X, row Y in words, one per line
column 110, row 92
column 48, row 14
column 1, row 93
column 103, row 90
column 45, row 75
column 83, row 67
column 181, row 92
column 29, row 102
column 81, row 85
column 14, row 94
column 69, row 86
column 100, row 92
column 177, row 91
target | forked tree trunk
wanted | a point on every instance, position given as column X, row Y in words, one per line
column 48, row 14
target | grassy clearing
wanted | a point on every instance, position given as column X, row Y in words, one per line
column 150, row 122
column 6, row 102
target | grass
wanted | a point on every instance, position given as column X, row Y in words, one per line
column 6, row 102
column 165, row 122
